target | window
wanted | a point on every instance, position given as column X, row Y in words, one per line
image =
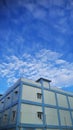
column 40, row 115
column 8, row 97
column 39, row 95
column 2, row 102
column 16, row 92
column 5, row 117
column 1, row 95
column 13, row 115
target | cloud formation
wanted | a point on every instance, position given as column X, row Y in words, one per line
column 23, row 24
column 44, row 63
column 53, row 20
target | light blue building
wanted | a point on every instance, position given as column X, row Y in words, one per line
column 30, row 105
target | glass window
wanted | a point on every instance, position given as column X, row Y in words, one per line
column 13, row 115
column 8, row 97
column 2, row 102
column 39, row 115
column 5, row 117
column 16, row 92
column 39, row 95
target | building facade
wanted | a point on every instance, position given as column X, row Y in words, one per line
column 30, row 105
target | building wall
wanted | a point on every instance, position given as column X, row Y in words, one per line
column 54, row 129
column 13, row 115
column 8, row 117
column 29, row 114
column 65, row 118
column 62, row 100
column 51, row 116
column 46, row 84
column 49, row 97
column 22, row 104
column 1, row 104
column 30, row 93
column 8, row 108
column 5, row 117
column 8, row 100
column 15, row 95
column 30, row 82
column 71, row 101
column 39, row 129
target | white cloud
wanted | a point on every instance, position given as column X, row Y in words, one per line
column 48, row 55
column 36, row 11
column 32, row 67
column 49, row 3
column 60, row 61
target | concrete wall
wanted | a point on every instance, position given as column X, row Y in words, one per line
column 0, row 119
column 15, row 94
column 30, row 93
column 51, row 116
column 65, row 118
column 29, row 114
column 1, row 104
column 13, row 117
column 5, row 117
column 30, row 82
column 8, row 100
column 55, row 129
column 71, row 102
column 39, row 129
column 0, row 116
column 46, row 84
column 20, row 128
column 49, row 97
column 11, row 129
column 62, row 100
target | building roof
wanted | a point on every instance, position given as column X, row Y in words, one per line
column 43, row 79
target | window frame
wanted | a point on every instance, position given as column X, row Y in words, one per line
column 13, row 115
column 16, row 92
column 40, row 115
column 39, row 95
column 5, row 117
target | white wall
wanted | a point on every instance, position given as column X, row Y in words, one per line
column 0, row 118
column 12, row 129
column 30, row 93
column 29, row 114
column 20, row 128
column 49, row 97
column 5, row 119
column 31, row 82
column 51, row 116
column 65, row 118
column 62, row 100
column 71, row 101
column 8, row 100
column 14, row 108
column 72, row 114
column 1, row 104
column 46, row 84
column 15, row 95
column 54, row 129
column 39, row 129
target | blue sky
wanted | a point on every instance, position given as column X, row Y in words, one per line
column 36, row 40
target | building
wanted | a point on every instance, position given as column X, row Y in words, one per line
column 30, row 105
